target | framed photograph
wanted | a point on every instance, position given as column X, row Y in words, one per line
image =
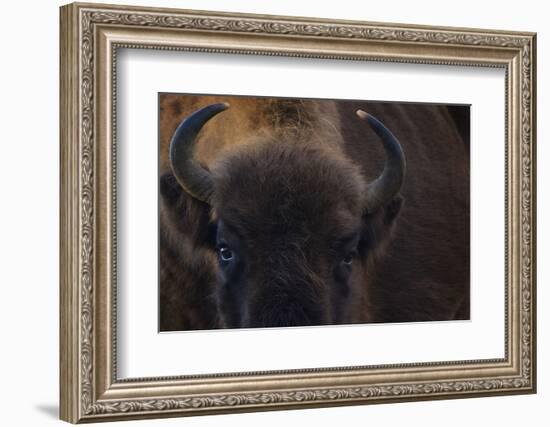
column 265, row 212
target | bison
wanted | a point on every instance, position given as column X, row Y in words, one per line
column 287, row 213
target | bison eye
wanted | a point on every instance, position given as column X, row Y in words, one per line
column 348, row 258
column 226, row 254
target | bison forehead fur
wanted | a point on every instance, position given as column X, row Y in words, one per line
column 279, row 189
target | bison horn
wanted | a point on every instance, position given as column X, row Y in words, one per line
column 194, row 179
column 384, row 188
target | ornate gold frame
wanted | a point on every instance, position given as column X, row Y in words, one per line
column 90, row 36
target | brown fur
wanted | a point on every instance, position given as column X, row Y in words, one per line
column 261, row 150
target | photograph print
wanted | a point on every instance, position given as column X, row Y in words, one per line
column 280, row 212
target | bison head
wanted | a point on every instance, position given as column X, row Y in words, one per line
column 295, row 222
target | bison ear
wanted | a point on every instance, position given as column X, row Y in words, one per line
column 182, row 216
column 169, row 189
column 392, row 209
column 378, row 226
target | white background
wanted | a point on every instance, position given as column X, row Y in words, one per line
column 29, row 170
column 143, row 352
